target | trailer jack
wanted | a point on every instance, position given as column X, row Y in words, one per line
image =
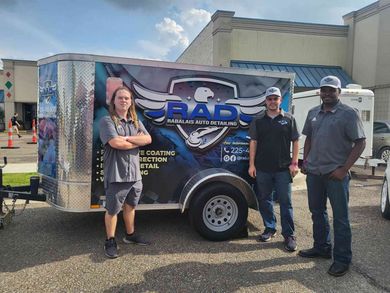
column 26, row 193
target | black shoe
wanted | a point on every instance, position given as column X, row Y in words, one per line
column 267, row 235
column 135, row 239
column 111, row 248
column 314, row 252
column 338, row 269
column 290, row 243
column 19, row 135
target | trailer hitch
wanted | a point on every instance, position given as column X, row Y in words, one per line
column 27, row 193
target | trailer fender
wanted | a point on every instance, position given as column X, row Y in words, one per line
column 207, row 176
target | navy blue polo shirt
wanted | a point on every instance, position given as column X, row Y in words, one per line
column 274, row 137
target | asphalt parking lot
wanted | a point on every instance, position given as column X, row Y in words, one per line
column 24, row 153
column 47, row 250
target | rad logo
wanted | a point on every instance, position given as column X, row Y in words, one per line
column 47, row 99
column 47, row 90
column 202, row 109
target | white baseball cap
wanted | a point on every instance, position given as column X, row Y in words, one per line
column 331, row 81
column 273, row 91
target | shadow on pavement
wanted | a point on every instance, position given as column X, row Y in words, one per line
column 225, row 277
column 43, row 235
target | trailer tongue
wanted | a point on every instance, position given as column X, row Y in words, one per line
column 26, row 193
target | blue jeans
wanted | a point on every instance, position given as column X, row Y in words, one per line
column 281, row 183
column 319, row 188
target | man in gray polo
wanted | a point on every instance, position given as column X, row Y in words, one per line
column 334, row 141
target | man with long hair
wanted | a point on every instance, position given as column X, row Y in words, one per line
column 122, row 134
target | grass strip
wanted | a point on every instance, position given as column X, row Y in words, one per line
column 18, row 179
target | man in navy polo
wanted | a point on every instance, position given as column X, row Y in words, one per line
column 271, row 164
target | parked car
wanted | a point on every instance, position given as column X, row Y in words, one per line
column 385, row 201
column 381, row 141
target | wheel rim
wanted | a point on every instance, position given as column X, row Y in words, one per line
column 384, row 195
column 385, row 155
column 220, row 213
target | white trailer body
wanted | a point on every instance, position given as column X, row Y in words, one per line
column 354, row 96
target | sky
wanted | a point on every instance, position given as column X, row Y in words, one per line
column 147, row 29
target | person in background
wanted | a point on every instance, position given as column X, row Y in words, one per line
column 271, row 164
column 15, row 124
column 122, row 134
column 334, row 141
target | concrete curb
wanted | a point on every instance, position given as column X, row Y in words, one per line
column 20, row 168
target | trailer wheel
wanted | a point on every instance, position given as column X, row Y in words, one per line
column 385, row 201
column 219, row 212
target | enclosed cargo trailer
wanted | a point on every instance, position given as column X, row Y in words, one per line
column 198, row 117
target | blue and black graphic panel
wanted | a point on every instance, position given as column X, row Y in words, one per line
column 197, row 119
column 47, row 120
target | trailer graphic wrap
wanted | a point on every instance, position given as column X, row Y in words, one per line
column 47, row 120
column 202, row 109
column 197, row 119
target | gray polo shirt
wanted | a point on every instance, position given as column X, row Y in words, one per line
column 120, row 165
column 332, row 135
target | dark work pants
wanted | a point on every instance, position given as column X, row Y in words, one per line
column 319, row 188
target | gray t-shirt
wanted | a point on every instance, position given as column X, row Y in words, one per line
column 332, row 135
column 120, row 165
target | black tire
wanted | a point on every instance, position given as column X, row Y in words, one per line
column 385, row 202
column 218, row 212
column 384, row 154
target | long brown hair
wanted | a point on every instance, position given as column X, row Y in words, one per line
column 131, row 113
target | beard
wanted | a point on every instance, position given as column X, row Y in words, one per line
column 330, row 102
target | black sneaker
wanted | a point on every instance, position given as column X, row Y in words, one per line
column 338, row 269
column 135, row 239
column 267, row 235
column 314, row 253
column 290, row 243
column 111, row 248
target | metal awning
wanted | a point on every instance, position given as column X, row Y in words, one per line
column 307, row 76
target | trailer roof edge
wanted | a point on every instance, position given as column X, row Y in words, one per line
column 145, row 62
